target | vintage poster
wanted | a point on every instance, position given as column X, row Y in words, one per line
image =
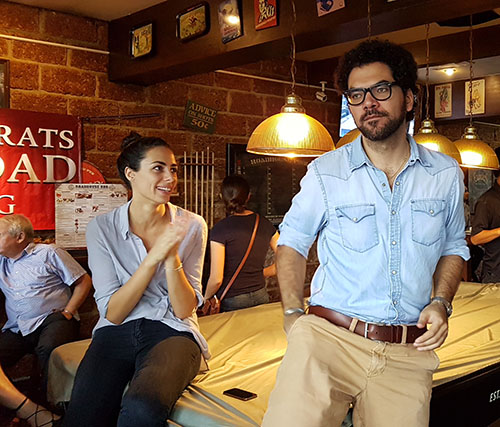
column 229, row 20
column 199, row 117
column 443, row 101
column 477, row 97
column 38, row 150
column 77, row 204
column 328, row 6
column 266, row 14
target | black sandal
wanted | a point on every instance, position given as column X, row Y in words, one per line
column 51, row 422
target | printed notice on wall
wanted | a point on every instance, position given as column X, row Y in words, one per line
column 78, row 204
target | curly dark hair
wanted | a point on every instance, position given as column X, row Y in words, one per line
column 133, row 149
column 398, row 59
column 235, row 191
column 497, row 152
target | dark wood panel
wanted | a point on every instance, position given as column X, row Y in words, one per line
column 173, row 59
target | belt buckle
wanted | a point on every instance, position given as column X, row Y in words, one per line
column 366, row 330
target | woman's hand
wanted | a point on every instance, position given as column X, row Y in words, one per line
column 167, row 243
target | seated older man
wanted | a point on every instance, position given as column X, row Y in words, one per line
column 36, row 280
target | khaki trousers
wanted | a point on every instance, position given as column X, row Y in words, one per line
column 326, row 368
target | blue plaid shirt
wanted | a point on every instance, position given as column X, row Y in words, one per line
column 378, row 249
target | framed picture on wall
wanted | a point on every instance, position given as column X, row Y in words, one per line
column 229, row 20
column 193, row 22
column 443, row 101
column 141, row 40
column 477, row 97
column 4, row 83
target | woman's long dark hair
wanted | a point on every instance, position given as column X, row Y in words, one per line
column 133, row 150
column 235, row 191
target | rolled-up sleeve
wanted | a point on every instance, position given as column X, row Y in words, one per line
column 455, row 221
column 306, row 216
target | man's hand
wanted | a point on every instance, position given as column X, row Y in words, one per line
column 67, row 314
column 435, row 315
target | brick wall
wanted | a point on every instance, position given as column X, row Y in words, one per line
column 70, row 81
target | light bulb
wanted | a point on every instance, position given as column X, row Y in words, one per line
column 293, row 128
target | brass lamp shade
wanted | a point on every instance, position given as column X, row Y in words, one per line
column 476, row 153
column 429, row 137
column 348, row 137
column 291, row 133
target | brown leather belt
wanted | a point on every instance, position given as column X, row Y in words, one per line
column 389, row 333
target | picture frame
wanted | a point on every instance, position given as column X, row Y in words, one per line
column 266, row 14
column 193, row 22
column 324, row 7
column 443, row 100
column 141, row 40
column 229, row 20
column 478, row 97
column 4, row 83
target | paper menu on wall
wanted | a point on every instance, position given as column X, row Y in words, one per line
column 77, row 204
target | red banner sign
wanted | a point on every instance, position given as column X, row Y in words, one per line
column 37, row 150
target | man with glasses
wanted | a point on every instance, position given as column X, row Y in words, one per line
column 388, row 217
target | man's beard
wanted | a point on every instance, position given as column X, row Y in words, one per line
column 379, row 134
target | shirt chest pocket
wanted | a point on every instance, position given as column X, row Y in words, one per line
column 428, row 220
column 358, row 226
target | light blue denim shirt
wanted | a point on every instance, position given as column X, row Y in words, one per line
column 377, row 248
column 115, row 253
column 36, row 284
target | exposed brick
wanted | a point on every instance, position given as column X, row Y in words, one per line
column 206, row 79
column 273, row 105
column 120, row 92
column 92, row 107
column 213, row 142
column 89, row 138
column 18, row 17
column 230, row 124
column 306, row 93
column 332, row 112
column 179, row 141
column 31, row 101
column 213, row 98
column 168, row 93
column 278, row 68
column 315, row 109
column 23, row 75
column 175, row 118
column 4, row 47
column 88, row 60
column 246, row 104
column 110, row 138
column 272, row 88
column 102, row 35
column 252, row 123
column 152, row 122
column 39, row 52
column 105, row 162
column 72, row 82
column 70, row 27
column 233, row 82
column 253, row 68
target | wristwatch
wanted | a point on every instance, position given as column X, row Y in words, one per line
column 447, row 304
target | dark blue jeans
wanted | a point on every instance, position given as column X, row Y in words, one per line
column 250, row 299
column 158, row 361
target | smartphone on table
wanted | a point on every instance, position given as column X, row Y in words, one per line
column 239, row 393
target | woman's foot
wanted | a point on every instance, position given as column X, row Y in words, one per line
column 36, row 415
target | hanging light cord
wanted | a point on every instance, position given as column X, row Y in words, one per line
column 369, row 17
column 471, row 101
column 292, row 53
column 427, row 59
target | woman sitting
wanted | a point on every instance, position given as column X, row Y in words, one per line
column 146, row 260
column 229, row 241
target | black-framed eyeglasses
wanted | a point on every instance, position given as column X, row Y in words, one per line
column 380, row 91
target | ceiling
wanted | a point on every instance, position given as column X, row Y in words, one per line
column 108, row 10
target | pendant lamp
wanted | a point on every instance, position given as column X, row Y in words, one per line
column 291, row 133
column 474, row 152
column 348, row 137
column 428, row 135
